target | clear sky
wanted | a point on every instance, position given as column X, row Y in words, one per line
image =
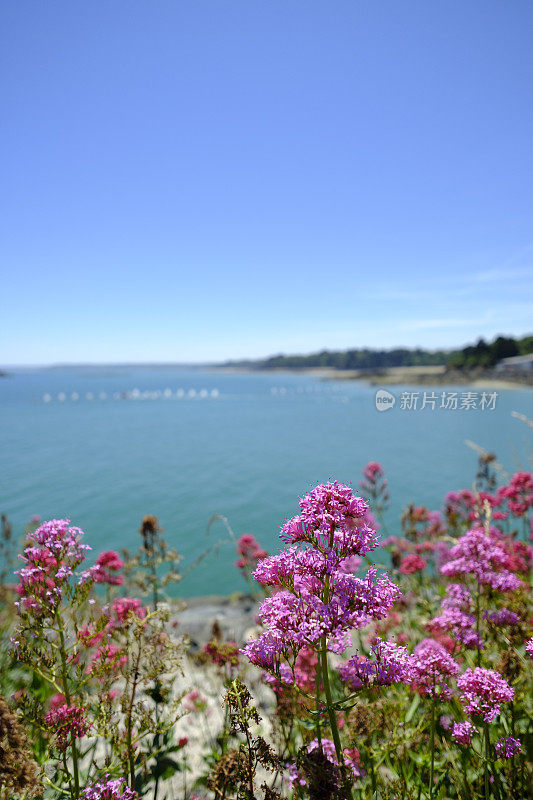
column 188, row 180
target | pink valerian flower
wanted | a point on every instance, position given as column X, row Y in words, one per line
column 107, row 657
column 391, row 664
column 123, row 607
column 446, row 722
column 507, row 747
column 332, row 517
column 374, row 485
column 481, row 556
column 529, row 647
column 195, row 702
column 483, row 691
column 462, row 733
column 502, row 618
column 65, row 722
column 519, row 493
column 56, row 701
column 50, row 560
column 293, row 621
column 222, row 653
column 519, row 554
column 249, row 551
column 455, row 617
column 103, row 571
column 351, row 759
column 302, row 675
column 317, row 598
column 89, row 636
column 429, row 669
column 412, row 563
column 108, row 789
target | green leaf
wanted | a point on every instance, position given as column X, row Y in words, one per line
column 412, row 709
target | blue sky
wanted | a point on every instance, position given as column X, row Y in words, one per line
column 189, row 180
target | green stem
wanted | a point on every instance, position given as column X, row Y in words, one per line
column 66, row 692
column 487, row 754
column 432, row 748
column 333, row 720
column 318, row 727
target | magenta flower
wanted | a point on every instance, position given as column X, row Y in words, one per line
column 49, row 565
column 126, row 606
column 502, row 618
column 65, row 722
column 249, row 551
column 430, row 667
column 482, row 557
column 115, row 789
column 318, row 599
column 412, row 563
column 391, row 664
column 508, row 747
column 462, row 733
column 483, row 691
column 529, row 647
column 455, row 618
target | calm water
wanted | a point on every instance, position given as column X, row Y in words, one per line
column 245, row 446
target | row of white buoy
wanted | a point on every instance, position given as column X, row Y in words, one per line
column 134, row 394
column 282, row 390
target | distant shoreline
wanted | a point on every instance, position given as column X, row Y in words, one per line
column 397, row 376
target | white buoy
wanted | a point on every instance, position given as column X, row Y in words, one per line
column 180, row 393
column 192, row 392
column 135, row 394
column 214, row 393
column 46, row 398
column 167, row 393
column 61, row 397
column 74, row 397
column 89, row 396
column 102, row 396
column 203, row 393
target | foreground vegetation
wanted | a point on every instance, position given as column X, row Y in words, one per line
column 395, row 666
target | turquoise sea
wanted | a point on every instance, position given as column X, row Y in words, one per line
column 105, row 446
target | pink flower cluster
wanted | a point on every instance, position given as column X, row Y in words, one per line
column 455, row 617
column 115, row 789
column 317, row 598
column 507, row 747
column 107, row 564
column 391, row 664
column 332, row 518
column 481, row 556
column 66, row 722
column 519, row 493
column 412, row 563
column 483, row 691
column 374, row 486
column 49, row 564
column 518, row 496
column 463, row 732
column 250, row 552
column 430, row 668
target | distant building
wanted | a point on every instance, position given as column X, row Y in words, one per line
column 516, row 363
